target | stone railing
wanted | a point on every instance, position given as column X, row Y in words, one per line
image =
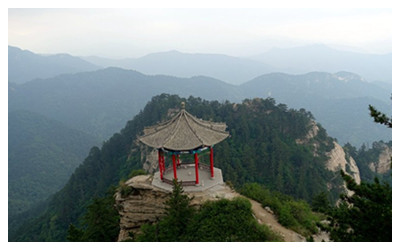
column 202, row 166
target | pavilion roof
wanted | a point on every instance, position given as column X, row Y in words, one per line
column 184, row 132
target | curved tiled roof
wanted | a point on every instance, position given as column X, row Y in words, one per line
column 184, row 132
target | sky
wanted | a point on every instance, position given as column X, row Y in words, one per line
column 122, row 33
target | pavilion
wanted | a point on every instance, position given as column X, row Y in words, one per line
column 183, row 138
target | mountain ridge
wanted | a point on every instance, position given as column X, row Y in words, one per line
column 319, row 57
column 110, row 95
column 24, row 65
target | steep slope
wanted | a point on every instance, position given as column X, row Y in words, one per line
column 262, row 148
column 24, row 65
column 42, row 154
column 318, row 57
column 373, row 162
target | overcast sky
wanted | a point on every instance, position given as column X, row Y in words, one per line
column 119, row 33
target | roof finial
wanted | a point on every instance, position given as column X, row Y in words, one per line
column 182, row 105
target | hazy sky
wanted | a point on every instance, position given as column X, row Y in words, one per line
column 119, row 33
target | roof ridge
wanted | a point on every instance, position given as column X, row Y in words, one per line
column 174, row 130
column 194, row 132
column 184, row 132
column 163, row 124
column 195, row 119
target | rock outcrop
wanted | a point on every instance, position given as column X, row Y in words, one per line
column 144, row 203
column 338, row 161
column 337, row 158
column 384, row 163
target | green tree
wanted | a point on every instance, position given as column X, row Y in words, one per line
column 320, row 203
column 380, row 117
column 74, row 234
column 364, row 216
column 100, row 223
column 173, row 226
column 228, row 220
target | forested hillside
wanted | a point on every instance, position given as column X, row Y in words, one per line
column 100, row 102
column 42, row 154
column 262, row 148
column 338, row 101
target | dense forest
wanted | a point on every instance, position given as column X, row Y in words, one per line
column 262, row 149
column 278, row 161
column 42, row 155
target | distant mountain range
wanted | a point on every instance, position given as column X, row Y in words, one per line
column 235, row 70
column 301, row 60
column 174, row 63
column 24, row 65
column 100, row 102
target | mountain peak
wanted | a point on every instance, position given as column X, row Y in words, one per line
column 347, row 76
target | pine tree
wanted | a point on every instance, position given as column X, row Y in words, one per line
column 364, row 216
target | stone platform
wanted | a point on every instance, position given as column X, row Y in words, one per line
column 189, row 174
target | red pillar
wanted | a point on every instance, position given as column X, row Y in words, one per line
column 174, row 166
column 196, row 165
column 212, row 162
column 163, row 162
column 160, row 163
column 179, row 162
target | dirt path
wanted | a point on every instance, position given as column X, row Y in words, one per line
column 269, row 219
column 262, row 215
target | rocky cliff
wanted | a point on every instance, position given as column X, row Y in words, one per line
column 339, row 161
column 384, row 163
column 144, row 203
column 337, row 158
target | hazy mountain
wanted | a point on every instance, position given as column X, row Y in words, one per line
column 230, row 69
column 300, row 60
column 24, row 65
column 338, row 101
column 314, row 84
column 101, row 102
column 235, row 70
column 42, row 154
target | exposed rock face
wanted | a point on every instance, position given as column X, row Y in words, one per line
column 312, row 132
column 145, row 204
column 384, row 162
column 151, row 159
column 337, row 160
